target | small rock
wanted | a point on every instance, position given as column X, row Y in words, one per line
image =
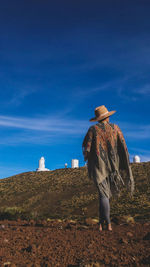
column 114, row 257
column 147, row 236
column 32, row 223
column 59, row 220
column 146, row 260
column 44, row 222
column 118, row 220
column 90, row 221
column 92, row 264
column 73, row 222
column 129, row 234
column 123, row 219
column 34, row 248
column 129, row 219
column 8, row 263
column 82, row 227
column 146, row 224
column 123, row 241
column 68, row 226
column 28, row 249
column 50, row 220
column 2, row 226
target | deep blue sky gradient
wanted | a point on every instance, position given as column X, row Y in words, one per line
column 58, row 61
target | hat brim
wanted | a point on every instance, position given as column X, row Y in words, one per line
column 103, row 117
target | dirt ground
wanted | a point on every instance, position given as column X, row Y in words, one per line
column 66, row 244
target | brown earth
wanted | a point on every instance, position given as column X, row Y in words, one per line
column 68, row 243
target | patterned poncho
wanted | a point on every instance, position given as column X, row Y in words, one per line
column 108, row 158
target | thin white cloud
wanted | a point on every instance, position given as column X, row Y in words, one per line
column 113, row 85
column 29, row 138
column 20, row 95
column 145, row 90
column 47, row 124
column 49, row 130
column 145, row 158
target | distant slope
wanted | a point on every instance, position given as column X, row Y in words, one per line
column 68, row 193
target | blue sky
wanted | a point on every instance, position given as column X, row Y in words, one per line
column 58, row 61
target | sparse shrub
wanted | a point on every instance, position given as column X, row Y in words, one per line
column 12, row 213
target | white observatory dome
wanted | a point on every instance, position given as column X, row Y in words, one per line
column 41, row 167
column 136, row 159
column 75, row 163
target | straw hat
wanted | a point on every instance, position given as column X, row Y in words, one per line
column 101, row 113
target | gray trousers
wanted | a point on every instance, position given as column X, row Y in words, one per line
column 104, row 196
column 104, row 209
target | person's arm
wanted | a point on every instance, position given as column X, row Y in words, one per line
column 87, row 142
column 86, row 154
column 124, row 162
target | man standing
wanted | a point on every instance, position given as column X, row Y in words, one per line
column 105, row 150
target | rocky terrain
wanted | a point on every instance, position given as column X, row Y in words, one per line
column 66, row 244
column 51, row 219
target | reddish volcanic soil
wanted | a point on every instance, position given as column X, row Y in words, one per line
column 27, row 244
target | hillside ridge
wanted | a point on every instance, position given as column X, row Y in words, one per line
column 68, row 193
